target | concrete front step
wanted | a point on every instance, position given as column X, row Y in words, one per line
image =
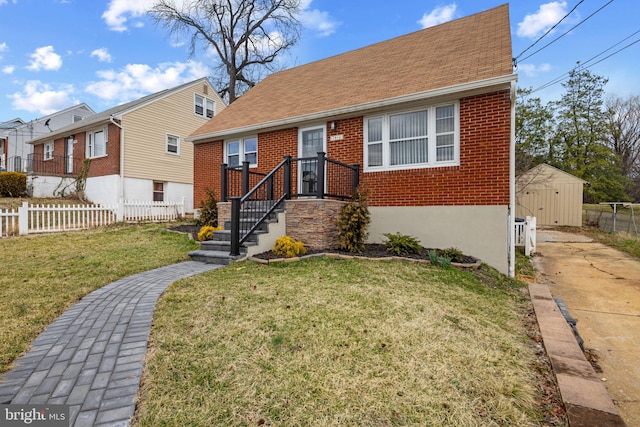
column 214, row 257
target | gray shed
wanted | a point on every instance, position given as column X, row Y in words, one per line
column 553, row 196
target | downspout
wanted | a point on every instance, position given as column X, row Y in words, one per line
column 121, row 190
column 512, row 184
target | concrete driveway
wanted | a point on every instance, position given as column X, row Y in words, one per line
column 601, row 288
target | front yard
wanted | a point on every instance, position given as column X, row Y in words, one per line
column 43, row 275
column 342, row 342
column 316, row 342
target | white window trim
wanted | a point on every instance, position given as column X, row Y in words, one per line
column 308, row 128
column 48, row 154
column 241, row 152
column 166, row 145
column 431, row 135
column 106, row 144
column 204, row 105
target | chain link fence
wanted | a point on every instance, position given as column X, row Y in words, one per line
column 613, row 222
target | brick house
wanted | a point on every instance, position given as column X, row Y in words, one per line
column 136, row 150
column 428, row 117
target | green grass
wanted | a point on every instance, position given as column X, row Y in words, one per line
column 340, row 342
column 43, row 275
column 624, row 242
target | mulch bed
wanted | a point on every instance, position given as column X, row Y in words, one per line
column 372, row 250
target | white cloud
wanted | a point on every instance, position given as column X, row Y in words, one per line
column 38, row 97
column 9, row 69
column 119, row 11
column 438, row 15
column 44, row 58
column 138, row 80
column 318, row 21
column 102, row 54
column 532, row 70
column 3, row 48
column 537, row 23
column 6, row 1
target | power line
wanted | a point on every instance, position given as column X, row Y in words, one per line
column 584, row 66
column 568, row 31
column 548, row 31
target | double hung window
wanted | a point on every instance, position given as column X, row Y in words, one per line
column 204, row 107
column 427, row 137
column 240, row 150
column 48, row 151
column 173, row 144
column 96, row 144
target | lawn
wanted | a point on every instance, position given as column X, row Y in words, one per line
column 43, row 275
column 341, row 342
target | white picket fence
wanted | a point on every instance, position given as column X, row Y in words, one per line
column 526, row 234
column 29, row 218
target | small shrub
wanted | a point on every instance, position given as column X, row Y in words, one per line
column 206, row 232
column 352, row 223
column 454, row 254
column 209, row 209
column 287, row 247
column 402, row 244
column 433, row 257
column 437, row 260
column 13, row 184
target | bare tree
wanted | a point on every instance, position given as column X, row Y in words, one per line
column 246, row 35
column 623, row 131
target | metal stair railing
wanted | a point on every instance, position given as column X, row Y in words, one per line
column 320, row 177
column 257, row 204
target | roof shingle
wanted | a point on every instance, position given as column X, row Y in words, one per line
column 466, row 50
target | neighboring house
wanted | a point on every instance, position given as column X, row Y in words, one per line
column 136, row 150
column 19, row 151
column 5, row 129
column 428, row 116
column 553, row 196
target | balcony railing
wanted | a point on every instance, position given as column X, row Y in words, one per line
column 56, row 165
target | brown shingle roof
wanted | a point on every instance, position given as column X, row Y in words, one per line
column 466, row 50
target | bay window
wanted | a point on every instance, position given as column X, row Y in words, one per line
column 427, row 137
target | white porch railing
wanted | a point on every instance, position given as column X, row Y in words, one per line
column 526, row 235
column 29, row 219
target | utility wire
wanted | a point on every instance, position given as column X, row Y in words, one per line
column 584, row 66
column 548, row 31
column 568, row 31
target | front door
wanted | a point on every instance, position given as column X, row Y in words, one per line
column 68, row 152
column 312, row 141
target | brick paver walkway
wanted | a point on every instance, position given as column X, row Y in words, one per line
column 91, row 357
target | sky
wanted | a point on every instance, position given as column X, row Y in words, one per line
column 58, row 53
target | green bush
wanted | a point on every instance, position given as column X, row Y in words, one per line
column 287, row 247
column 402, row 244
column 352, row 223
column 454, row 254
column 209, row 210
column 438, row 260
column 13, row 184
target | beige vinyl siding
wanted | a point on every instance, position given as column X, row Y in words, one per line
column 551, row 195
column 146, row 132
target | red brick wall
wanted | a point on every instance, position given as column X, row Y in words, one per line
column 207, row 158
column 101, row 166
column 482, row 178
